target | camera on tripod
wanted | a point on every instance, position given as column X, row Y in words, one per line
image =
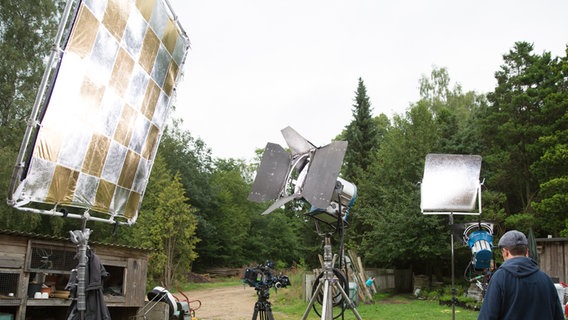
column 261, row 277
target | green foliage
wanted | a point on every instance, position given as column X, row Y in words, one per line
column 389, row 197
column 26, row 30
column 167, row 224
column 525, row 106
column 232, row 220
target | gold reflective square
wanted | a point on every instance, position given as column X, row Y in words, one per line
column 125, row 125
column 116, row 17
column 146, row 7
column 122, row 72
column 129, row 169
column 132, row 205
column 150, row 100
column 149, row 51
column 170, row 36
column 84, row 33
column 171, row 77
column 151, row 141
column 96, row 155
column 62, row 185
column 48, row 144
column 105, row 193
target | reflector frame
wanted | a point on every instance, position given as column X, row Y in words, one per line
column 99, row 128
column 451, row 184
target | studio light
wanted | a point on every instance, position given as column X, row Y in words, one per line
column 479, row 237
column 342, row 199
column 307, row 173
column 311, row 174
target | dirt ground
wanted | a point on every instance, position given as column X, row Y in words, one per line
column 225, row 303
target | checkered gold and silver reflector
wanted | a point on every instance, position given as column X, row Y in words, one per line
column 102, row 119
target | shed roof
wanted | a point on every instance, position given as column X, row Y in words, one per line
column 39, row 236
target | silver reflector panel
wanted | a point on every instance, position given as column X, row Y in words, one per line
column 450, row 184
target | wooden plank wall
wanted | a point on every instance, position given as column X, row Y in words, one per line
column 135, row 262
column 13, row 251
column 554, row 257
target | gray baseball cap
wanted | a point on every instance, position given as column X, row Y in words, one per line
column 513, row 238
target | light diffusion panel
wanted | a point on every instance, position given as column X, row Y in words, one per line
column 103, row 122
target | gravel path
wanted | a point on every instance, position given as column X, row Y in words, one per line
column 224, row 303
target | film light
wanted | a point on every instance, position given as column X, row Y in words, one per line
column 479, row 237
column 306, row 172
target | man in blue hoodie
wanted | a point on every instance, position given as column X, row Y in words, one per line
column 519, row 289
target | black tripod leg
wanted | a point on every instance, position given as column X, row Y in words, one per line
column 264, row 311
column 269, row 313
column 255, row 313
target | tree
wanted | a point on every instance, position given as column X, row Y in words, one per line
column 232, row 221
column 192, row 159
column 27, row 30
column 552, row 166
column 453, row 110
column 166, row 223
column 390, row 197
column 362, row 134
column 552, row 202
column 528, row 104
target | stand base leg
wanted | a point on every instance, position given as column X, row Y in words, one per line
column 327, row 310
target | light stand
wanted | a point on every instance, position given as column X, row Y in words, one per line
column 262, row 307
column 81, row 239
column 451, row 186
column 311, row 174
column 453, row 268
column 329, row 280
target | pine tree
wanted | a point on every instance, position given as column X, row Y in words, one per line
column 362, row 134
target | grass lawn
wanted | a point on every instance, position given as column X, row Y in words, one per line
column 386, row 306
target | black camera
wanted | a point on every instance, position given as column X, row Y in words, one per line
column 261, row 277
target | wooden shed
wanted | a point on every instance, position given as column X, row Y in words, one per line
column 553, row 257
column 31, row 263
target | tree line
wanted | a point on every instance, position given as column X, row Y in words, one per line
column 195, row 214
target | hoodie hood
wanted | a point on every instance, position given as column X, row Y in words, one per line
column 520, row 267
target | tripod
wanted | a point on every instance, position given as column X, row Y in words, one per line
column 262, row 306
column 329, row 281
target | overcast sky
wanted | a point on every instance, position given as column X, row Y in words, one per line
column 257, row 66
